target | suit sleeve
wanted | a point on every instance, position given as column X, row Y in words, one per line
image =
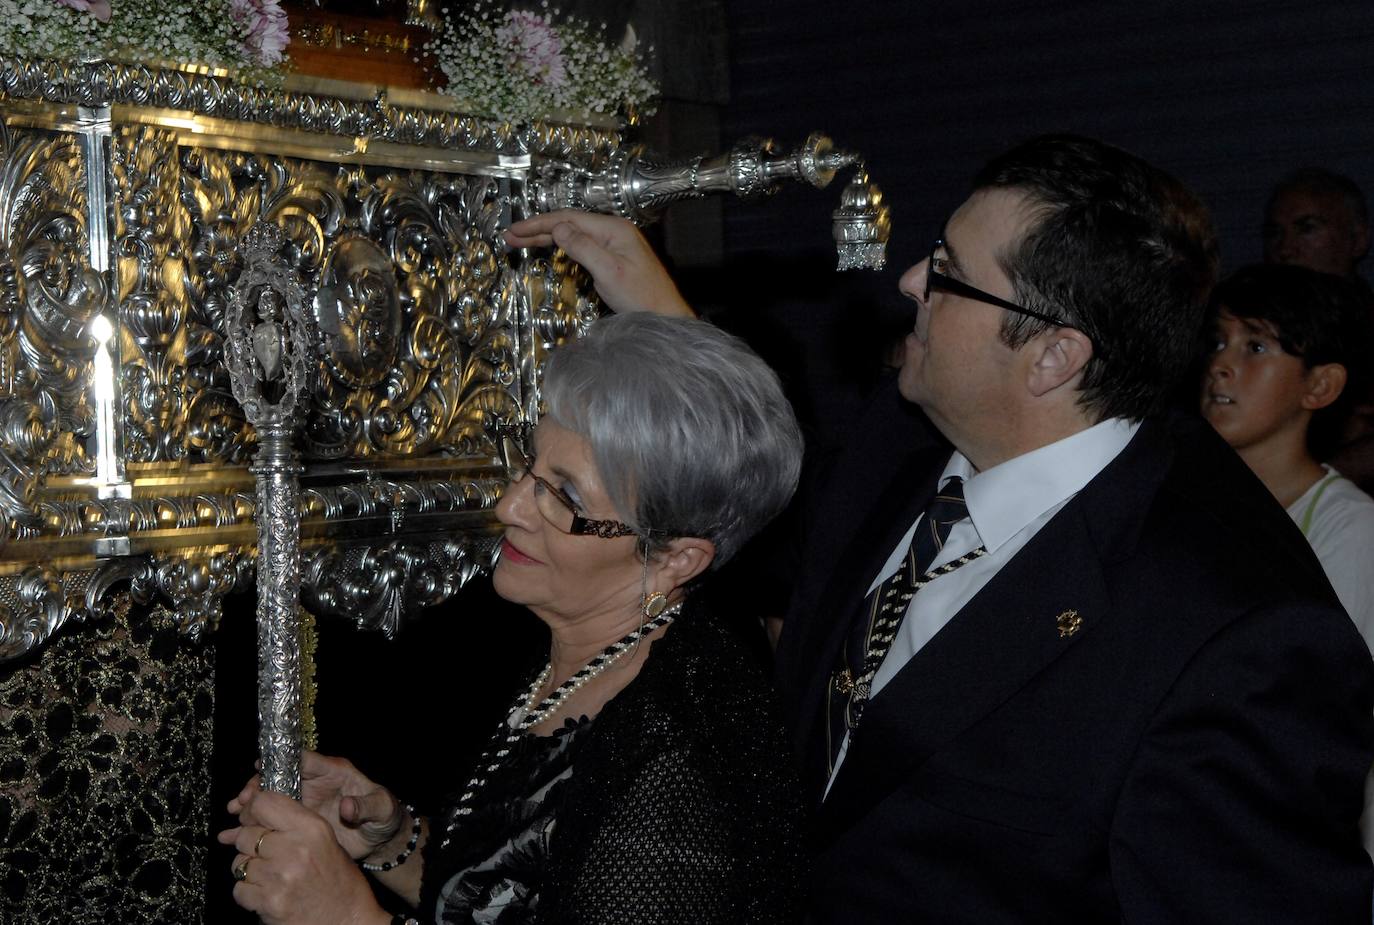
column 1243, row 798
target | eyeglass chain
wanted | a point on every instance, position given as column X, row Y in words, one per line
column 507, row 735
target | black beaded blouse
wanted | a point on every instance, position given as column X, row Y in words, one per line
column 679, row 804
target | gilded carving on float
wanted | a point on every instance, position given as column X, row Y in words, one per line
column 126, row 196
column 426, row 338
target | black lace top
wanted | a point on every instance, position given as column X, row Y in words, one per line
column 105, row 744
column 678, row 804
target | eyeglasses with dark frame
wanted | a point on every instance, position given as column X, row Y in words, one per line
column 553, row 504
column 935, row 279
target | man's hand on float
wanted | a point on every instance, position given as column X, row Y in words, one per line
column 627, row 274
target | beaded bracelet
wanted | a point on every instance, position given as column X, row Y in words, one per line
column 404, row 855
column 402, row 919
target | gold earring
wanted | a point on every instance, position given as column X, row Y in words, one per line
column 655, row 604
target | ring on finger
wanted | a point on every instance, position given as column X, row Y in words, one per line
column 257, row 845
column 241, row 870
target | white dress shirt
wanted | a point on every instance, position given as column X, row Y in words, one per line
column 1008, row 504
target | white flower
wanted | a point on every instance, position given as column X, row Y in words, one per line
column 243, row 34
column 522, row 65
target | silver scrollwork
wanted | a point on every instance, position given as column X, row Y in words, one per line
column 308, row 109
column 375, row 585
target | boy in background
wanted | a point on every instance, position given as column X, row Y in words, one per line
column 1288, row 356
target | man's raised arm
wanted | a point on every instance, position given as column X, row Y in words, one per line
column 627, row 273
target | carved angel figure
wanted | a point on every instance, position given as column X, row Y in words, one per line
column 269, row 337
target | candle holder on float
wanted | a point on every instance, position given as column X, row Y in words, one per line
column 107, row 481
column 636, row 186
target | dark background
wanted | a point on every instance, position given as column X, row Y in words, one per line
column 1226, row 94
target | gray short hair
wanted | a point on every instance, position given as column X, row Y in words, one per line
column 688, row 428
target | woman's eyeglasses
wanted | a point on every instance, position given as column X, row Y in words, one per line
column 553, row 504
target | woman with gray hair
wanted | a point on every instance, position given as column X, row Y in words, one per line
column 641, row 777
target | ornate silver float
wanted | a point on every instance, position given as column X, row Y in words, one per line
column 197, row 273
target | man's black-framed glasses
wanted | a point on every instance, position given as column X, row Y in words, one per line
column 553, row 504
column 936, row 279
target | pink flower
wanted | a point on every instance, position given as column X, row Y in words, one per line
column 264, row 24
column 535, row 46
column 100, row 9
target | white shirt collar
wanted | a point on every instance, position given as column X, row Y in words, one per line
column 1005, row 499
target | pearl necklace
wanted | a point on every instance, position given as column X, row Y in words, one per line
column 507, row 734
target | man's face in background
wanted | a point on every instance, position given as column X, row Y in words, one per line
column 1314, row 229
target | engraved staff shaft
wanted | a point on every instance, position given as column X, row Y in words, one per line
column 278, row 470
column 269, row 350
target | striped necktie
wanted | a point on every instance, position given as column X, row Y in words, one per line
column 876, row 625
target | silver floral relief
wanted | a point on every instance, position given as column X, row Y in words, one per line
column 156, row 330
column 33, row 604
column 308, row 109
column 424, row 335
column 194, row 583
column 409, row 334
column 374, row 584
column 48, row 295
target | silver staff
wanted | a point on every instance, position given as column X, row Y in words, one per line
column 269, row 359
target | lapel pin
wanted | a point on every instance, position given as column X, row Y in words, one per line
column 1069, row 622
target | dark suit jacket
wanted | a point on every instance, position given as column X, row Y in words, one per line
column 1195, row 751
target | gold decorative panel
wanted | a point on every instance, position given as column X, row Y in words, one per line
column 128, row 193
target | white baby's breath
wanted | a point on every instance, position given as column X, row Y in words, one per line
column 521, row 65
column 245, row 35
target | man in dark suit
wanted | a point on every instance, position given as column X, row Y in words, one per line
column 1080, row 667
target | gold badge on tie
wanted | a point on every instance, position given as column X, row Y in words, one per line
column 1069, row 623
